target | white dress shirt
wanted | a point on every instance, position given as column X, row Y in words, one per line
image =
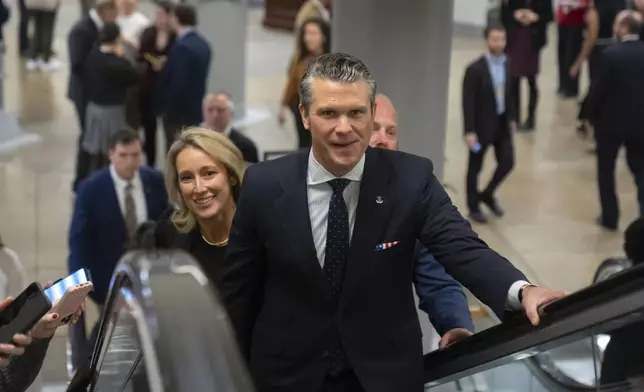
column 319, row 194
column 132, row 26
column 138, row 193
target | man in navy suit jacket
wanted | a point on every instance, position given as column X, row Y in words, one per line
column 317, row 276
column 109, row 206
column 185, row 74
column 441, row 297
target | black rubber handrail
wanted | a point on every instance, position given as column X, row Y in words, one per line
column 598, row 307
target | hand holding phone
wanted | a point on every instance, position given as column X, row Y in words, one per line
column 68, row 295
column 19, row 316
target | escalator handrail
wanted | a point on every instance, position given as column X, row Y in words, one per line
column 137, row 271
column 562, row 321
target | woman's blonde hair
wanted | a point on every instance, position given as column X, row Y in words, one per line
column 216, row 146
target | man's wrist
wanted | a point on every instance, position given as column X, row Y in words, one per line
column 522, row 290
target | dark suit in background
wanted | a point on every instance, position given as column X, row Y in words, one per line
column 281, row 303
column 81, row 40
column 183, row 83
column 491, row 124
column 615, row 104
column 98, row 236
column 245, row 145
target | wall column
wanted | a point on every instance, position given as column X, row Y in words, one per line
column 407, row 45
column 223, row 24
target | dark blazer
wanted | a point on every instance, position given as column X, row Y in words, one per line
column 539, row 30
column 441, row 297
column 282, row 306
column 616, row 96
column 183, row 80
column 97, row 234
column 5, row 13
column 479, row 102
column 245, row 145
column 80, row 41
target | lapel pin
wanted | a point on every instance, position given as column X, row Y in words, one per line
column 379, row 200
column 386, row 245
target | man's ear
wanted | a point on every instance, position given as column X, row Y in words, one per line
column 305, row 116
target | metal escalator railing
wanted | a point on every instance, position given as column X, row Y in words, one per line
column 164, row 330
column 601, row 316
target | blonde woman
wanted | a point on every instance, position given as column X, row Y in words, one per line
column 203, row 177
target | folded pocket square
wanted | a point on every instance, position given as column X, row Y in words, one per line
column 386, row 245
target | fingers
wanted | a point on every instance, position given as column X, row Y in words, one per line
column 532, row 312
column 49, row 318
column 5, row 302
column 22, row 340
column 444, row 342
column 48, row 284
column 10, row 350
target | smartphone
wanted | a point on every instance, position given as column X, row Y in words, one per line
column 476, row 148
column 24, row 312
column 57, row 290
column 68, row 294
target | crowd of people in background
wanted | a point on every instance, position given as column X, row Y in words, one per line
column 606, row 36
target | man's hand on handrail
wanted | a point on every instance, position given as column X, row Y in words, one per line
column 535, row 298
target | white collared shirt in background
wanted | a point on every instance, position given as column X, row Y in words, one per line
column 138, row 193
column 132, row 26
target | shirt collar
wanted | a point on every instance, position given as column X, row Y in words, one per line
column 226, row 131
column 494, row 59
column 317, row 174
column 93, row 14
column 631, row 37
column 120, row 182
column 185, row 32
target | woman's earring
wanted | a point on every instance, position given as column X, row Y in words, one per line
column 233, row 181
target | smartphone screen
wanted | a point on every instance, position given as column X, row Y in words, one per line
column 58, row 289
column 23, row 313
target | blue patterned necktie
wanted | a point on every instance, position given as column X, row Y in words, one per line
column 335, row 258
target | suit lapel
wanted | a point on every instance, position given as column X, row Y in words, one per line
column 292, row 206
column 147, row 191
column 372, row 215
column 113, row 201
column 487, row 75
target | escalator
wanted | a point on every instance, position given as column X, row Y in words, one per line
column 162, row 330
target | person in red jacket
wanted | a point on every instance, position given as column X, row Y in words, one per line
column 571, row 21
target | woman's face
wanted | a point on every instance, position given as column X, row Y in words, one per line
column 313, row 38
column 203, row 183
column 162, row 17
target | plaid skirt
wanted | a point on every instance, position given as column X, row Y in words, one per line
column 101, row 123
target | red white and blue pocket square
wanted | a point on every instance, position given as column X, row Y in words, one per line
column 386, row 245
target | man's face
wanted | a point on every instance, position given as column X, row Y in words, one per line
column 495, row 41
column 109, row 15
column 127, row 6
column 126, row 159
column 217, row 113
column 340, row 120
column 385, row 126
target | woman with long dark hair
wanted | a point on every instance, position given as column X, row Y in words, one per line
column 315, row 40
column 526, row 22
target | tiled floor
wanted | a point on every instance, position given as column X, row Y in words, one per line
column 550, row 199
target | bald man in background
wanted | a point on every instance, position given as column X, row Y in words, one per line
column 441, row 297
column 218, row 112
column 615, row 103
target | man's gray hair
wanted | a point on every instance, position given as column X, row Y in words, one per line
column 336, row 67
